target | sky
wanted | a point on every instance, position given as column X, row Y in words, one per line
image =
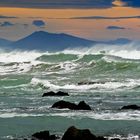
column 92, row 19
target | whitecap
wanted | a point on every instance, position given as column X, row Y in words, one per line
column 109, row 85
column 14, row 114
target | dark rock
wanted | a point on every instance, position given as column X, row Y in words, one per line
column 101, row 138
column 134, row 107
column 77, row 134
column 59, row 93
column 83, row 106
column 51, row 93
column 115, row 139
column 43, row 135
column 63, row 104
column 53, row 137
column 86, row 83
column 90, row 83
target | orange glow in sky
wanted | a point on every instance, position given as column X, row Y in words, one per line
column 118, row 3
column 58, row 20
column 65, row 13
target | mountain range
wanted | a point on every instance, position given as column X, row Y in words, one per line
column 45, row 41
column 51, row 41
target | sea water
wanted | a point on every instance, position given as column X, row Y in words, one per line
column 26, row 75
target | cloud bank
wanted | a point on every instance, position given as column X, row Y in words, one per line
column 38, row 23
column 132, row 3
column 57, row 3
column 1, row 17
column 67, row 3
column 103, row 17
column 115, row 28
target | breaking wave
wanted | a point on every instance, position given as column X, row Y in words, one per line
column 109, row 85
column 113, row 57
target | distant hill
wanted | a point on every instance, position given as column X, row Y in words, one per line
column 51, row 41
column 45, row 41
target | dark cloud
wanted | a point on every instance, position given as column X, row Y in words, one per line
column 57, row 3
column 1, row 16
column 102, row 17
column 132, row 3
column 115, row 28
column 6, row 24
column 10, row 24
column 39, row 23
column 67, row 3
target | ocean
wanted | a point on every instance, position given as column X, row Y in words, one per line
column 26, row 75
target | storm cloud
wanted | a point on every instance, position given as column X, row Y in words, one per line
column 38, row 23
column 115, row 28
column 67, row 3
column 1, row 17
column 57, row 3
column 132, row 3
column 103, row 17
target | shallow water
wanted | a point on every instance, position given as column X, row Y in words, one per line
column 25, row 76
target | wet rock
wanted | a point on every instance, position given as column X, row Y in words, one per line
column 59, row 93
column 133, row 107
column 115, row 139
column 43, row 135
column 83, row 106
column 101, row 138
column 63, row 104
column 90, row 83
column 73, row 133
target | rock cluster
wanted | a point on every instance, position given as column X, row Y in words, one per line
column 63, row 104
column 59, row 93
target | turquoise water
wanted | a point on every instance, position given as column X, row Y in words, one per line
column 25, row 76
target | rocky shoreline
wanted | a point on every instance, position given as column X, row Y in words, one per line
column 82, row 105
column 73, row 133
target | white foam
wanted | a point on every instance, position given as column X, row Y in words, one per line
column 127, row 51
column 129, row 83
column 129, row 137
column 8, row 137
column 104, row 115
column 19, row 56
column 14, row 114
column 17, row 86
column 68, row 65
column 133, row 54
column 63, row 67
column 20, row 67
